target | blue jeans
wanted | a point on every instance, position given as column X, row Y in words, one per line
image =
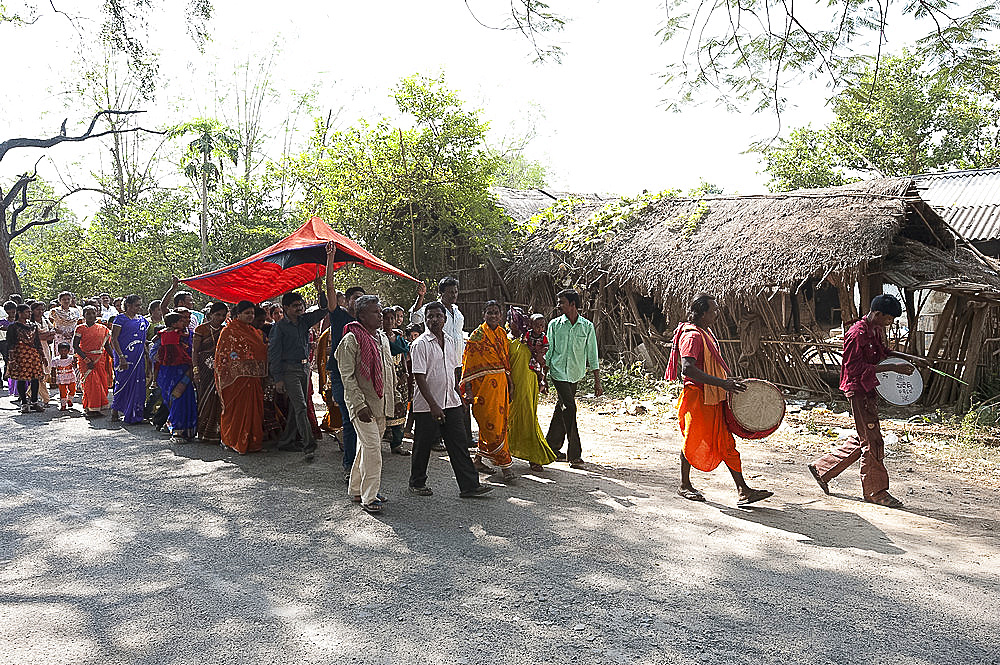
column 350, row 436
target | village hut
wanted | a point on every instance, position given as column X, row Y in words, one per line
column 791, row 269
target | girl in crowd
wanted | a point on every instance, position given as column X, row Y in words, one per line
column 206, row 339
column 65, row 318
column 487, row 385
column 24, row 345
column 47, row 334
column 128, row 339
column 92, row 343
column 240, row 368
column 65, row 365
column 173, row 375
column 526, row 439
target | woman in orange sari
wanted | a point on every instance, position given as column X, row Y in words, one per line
column 92, row 342
column 332, row 420
column 696, row 357
column 486, row 384
column 240, row 364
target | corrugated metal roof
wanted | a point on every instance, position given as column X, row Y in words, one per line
column 968, row 200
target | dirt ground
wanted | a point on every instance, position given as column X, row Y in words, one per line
column 939, row 477
column 119, row 545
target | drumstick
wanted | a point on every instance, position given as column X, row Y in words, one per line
column 937, row 371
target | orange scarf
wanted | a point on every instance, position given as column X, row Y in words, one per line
column 714, row 362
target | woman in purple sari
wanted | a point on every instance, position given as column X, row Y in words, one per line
column 128, row 339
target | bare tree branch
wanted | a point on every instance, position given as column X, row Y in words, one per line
column 11, row 144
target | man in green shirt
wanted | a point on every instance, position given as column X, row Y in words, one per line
column 572, row 351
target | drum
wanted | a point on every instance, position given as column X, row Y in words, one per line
column 757, row 411
column 896, row 388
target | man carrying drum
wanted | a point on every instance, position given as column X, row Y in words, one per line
column 864, row 347
column 695, row 355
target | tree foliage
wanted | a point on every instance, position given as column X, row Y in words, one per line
column 895, row 119
column 749, row 53
column 130, row 249
column 411, row 196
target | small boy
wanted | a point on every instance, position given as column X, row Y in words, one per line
column 66, row 375
column 538, row 343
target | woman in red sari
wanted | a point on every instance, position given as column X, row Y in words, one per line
column 240, row 366
column 92, row 342
column 487, row 385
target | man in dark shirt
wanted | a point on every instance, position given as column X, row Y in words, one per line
column 288, row 359
column 864, row 347
column 340, row 317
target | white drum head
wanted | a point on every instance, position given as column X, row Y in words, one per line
column 896, row 388
column 759, row 408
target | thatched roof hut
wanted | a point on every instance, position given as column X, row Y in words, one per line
column 742, row 245
column 767, row 257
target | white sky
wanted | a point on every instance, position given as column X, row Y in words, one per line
column 603, row 128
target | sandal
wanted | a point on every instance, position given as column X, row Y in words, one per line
column 378, row 497
column 885, row 499
column 823, row 485
column 690, row 493
column 536, row 467
column 753, row 496
column 509, row 476
column 482, row 467
column 401, row 451
column 373, row 507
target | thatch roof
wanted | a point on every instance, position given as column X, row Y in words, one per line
column 742, row 245
column 523, row 204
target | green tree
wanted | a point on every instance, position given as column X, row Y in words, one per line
column 804, row 160
column 125, row 249
column 518, row 172
column 901, row 121
column 203, row 164
column 411, row 195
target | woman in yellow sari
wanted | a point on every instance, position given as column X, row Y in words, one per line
column 487, row 385
column 526, row 440
column 240, row 364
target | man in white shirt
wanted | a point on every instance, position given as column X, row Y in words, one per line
column 437, row 407
column 454, row 328
column 107, row 311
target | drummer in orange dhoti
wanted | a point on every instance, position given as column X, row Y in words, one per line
column 695, row 355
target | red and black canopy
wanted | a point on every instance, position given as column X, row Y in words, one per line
column 287, row 265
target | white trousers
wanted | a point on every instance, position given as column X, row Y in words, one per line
column 366, row 474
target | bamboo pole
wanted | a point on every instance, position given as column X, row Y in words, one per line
column 974, row 349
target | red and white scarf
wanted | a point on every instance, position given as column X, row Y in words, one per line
column 369, row 356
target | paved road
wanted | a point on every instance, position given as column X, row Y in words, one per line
column 120, row 547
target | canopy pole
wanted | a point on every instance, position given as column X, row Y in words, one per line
column 409, row 201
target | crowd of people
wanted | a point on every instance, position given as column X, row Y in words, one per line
column 241, row 375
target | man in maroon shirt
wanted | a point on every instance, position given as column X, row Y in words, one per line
column 864, row 347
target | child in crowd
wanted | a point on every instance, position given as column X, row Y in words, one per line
column 8, row 319
column 66, row 375
column 538, row 343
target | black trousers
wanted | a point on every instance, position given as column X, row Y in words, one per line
column 22, row 390
column 427, row 432
column 563, row 425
